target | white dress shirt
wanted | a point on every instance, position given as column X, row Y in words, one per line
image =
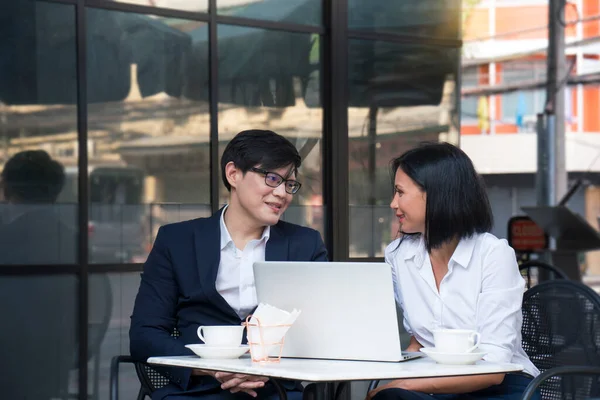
column 482, row 291
column 235, row 278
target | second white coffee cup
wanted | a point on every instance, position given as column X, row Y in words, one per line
column 224, row 336
column 456, row 340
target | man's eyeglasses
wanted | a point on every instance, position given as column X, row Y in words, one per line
column 273, row 179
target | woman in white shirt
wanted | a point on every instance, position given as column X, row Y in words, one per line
column 449, row 272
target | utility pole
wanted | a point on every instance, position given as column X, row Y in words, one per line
column 552, row 172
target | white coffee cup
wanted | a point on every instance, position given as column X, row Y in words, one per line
column 221, row 335
column 456, row 340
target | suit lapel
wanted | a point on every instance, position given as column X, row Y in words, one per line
column 277, row 246
column 207, row 238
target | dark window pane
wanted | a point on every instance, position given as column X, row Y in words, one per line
column 183, row 5
column 270, row 80
column 425, row 18
column 399, row 95
column 110, row 306
column 38, row 130
column 39, row 315
column 306, row 12
column 148, row 130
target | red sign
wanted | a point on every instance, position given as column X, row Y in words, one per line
column 525, row 235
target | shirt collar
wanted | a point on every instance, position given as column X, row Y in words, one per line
column 464, row 251
column 415, row 248
column 226, row 237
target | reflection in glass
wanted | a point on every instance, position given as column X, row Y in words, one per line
column 399, row 95
column 38, row 90
column 270, row 80
column 183, row 5
column 38, row 339
column 148, row 129
column 424, row 18
column 306, row 12
column 110, row 306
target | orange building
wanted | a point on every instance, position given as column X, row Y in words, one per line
column 505, row 43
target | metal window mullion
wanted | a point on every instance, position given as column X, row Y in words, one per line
column 213, row 88
column 83, row 214
column 335, row 126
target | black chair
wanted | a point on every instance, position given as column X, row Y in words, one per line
column 581, row 379
column 531, row 272
column 561, row 336
column 149, row 378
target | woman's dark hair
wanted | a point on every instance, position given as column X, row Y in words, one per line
column 457, row 205
column 262, row 148
column 32, row 176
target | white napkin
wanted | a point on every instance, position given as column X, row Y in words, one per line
column 270, row 319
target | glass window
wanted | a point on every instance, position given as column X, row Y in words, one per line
column 183, row 5
column 424, row 18
column 468, row 105
column 270, row 80
column 111, row 303
column 306, row 12
column 38, row 341
column 38, row 133
column 399, row 95
column 148, row 130
column 521, row 107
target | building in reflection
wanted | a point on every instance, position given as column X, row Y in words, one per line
column 139, row 107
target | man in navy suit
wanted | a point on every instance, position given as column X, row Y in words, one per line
column 199, row 272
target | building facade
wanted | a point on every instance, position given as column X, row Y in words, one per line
column 504, row 51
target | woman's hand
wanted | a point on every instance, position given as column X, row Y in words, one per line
column 398, row 384
column 414, row 345
column 446, row 385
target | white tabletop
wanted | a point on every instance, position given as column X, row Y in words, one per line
column 333, row 371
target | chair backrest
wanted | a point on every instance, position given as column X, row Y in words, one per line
column 561, row 326
column 149, row 377
column 531, row 272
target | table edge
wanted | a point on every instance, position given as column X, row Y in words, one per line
column 307, row 376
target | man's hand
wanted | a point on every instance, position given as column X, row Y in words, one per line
column 240, row 382
column 235, row 382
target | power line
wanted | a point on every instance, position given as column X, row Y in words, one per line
column 533, row 29
column 584, row 79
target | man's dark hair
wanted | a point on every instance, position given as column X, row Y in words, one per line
column 32, row 176
column 259, row 148
column 457, row 204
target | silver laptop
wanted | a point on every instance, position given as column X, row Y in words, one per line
column 348, row 310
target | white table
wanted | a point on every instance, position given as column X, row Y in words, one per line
column 337, row 371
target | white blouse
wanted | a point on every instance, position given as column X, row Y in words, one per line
column 482, row 291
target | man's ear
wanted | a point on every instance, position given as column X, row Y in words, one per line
column 233, row 174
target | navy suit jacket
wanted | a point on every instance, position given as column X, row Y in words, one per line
column 178, row 290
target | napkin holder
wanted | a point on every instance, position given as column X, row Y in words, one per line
column 261, row 347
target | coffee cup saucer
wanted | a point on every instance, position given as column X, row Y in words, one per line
column 453, row 358
column 218, row 352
